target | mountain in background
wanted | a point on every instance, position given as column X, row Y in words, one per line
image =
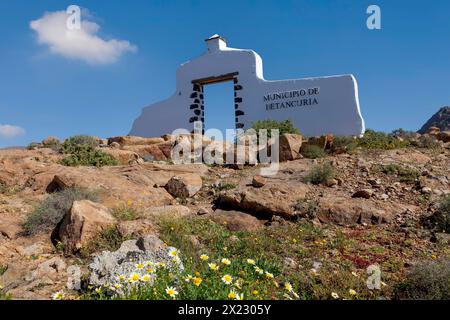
column 440, row 119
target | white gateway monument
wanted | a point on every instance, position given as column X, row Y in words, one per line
column 315, row 105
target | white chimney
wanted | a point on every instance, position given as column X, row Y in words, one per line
column 215, row 43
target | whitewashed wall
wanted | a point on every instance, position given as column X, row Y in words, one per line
column 336, row 108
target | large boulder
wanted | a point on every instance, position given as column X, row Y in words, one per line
column 154, row 152
column 184, row 185
column 352, row 211
column 290, row 145
column 236, row 221
column 272, row 199
column 83, row 223
column 124, row 157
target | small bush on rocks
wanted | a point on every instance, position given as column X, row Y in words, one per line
column 406, row 175
column 47, row 215
column 127, row 212
column 85, row 155
column 82, row 151
column 428, row 142
column 380, row 140
column 320, row 174
column 71, row 144
column 109, row 239
column 313, row 152
column 283, row 126
column 344, row 144
column 427, row 281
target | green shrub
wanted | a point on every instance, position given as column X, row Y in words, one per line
column 320, row 174
column 33, row 145
column 344, row 144
column 72, row 144
column 47, row 215
column 224, row 186
column 86, row 155
column 109, row 239
column 8, row 190
column 404, row 134
column 3, row 269
column 313, row 151
column 380, row 140
column 285, row 126
column 428, row 142
column 427, row 281
column 406, row 175
column 126, row 212
column 82, row 151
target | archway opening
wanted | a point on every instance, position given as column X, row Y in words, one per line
column 219, row 110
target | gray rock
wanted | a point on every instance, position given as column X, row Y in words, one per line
column 107, row 266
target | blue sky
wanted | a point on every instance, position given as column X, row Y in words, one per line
column 403, row 70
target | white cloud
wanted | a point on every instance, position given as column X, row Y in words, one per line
column 8, row 131
column 83, row 44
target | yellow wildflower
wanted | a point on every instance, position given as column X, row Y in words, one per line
column 227, row 279
column 226, row 261
column 352, row 292
column 269, row 275
column 251, row 262
column 140, row 266
column 213, row 266
column 197, row 281
column 288, row 286
column 145, row 278
column 58, row 295
column 134, row 278
column 172, row 292
column 335, row 295
column 204, row 257
column 173, row 252
column 259, row 270
column 232, row 295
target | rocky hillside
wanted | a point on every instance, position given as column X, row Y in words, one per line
column 440, row 119
column 334, row 208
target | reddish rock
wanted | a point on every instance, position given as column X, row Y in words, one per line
column 259, row 182
column 184, row 186
column 290, row 145
column 365, row 193
column 83, row 223
column 237, row 221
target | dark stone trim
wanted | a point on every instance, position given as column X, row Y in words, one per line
column 238, row 100
column 193, row 119
column 239, row 113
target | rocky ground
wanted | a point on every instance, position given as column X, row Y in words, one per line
column 370, row 212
